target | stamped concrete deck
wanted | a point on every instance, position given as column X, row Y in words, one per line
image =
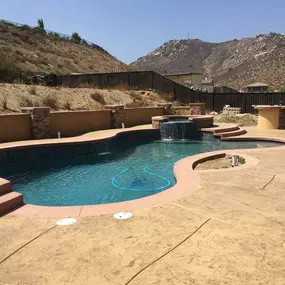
column 230, row 230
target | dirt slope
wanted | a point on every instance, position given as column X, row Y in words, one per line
column 15, row 96
column 33, row 51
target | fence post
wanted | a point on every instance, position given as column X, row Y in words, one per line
column 129, row 79
column 151, row 80
column 245, row 107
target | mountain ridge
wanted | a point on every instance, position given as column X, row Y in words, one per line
column 233, row 63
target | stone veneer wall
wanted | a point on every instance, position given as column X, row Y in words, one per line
column 40, row 121
column 117, row 115
column 197, row 109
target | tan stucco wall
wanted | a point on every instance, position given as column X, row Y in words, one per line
column 79, row 122
column 141, row 116
column 15, row 127
column 196, row 79
column 268, row 118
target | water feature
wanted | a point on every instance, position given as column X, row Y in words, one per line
column 179, row 129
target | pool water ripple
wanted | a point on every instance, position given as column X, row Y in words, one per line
column 126, row 175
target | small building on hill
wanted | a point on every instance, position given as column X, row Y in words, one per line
column 208, row 85
column 188, row 78
column 257, row 88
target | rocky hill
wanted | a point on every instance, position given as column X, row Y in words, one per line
column 233, row 63
column 32, row 50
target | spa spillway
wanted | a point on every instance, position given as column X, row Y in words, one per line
column 179, row 129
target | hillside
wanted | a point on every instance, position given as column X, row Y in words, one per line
column 32, row 51
column 15, row 96
column 233, row 63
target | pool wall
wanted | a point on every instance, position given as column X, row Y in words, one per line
column 49, row 151
column 187, row 179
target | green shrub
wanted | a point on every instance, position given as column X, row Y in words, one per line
column 241, row 160
column 25, row 28
column 41, row 26
column 76, row 38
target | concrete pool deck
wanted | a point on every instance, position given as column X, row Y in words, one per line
column 230, row 230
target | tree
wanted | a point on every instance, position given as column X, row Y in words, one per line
column 76, row 38
column 41, row 25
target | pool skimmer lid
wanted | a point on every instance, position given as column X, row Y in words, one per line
column 66, row 222
column 123, row 215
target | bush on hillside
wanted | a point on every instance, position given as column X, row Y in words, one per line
column 98, row 97
column 50, row 101
column 8, row 69
column 41, row 26
column 76, row 38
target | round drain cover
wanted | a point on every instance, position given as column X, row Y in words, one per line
column 123, row 215
column 66, row 222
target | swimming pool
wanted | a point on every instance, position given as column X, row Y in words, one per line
column 134, row 171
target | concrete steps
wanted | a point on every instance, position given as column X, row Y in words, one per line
column 230, row 132
column 8, row 200
column 5, row 186
column 225, row 130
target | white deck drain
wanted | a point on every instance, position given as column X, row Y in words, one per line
column 66, row 222
column 123, row 216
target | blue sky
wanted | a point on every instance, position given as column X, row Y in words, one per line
column 129, row 29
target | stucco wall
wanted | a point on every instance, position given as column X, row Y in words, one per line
column 141, row 116
column 15, row 127
column 196, row 79
column 79, row 122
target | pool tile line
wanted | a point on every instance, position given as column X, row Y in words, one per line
column 187, row 181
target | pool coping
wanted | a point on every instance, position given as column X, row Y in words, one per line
column 187, row 181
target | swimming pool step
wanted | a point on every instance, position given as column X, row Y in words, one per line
column 233, row 134
column 226, row 130
column 5, row 186
column 10, row 201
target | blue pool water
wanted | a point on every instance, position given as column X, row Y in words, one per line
column 135, row 172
